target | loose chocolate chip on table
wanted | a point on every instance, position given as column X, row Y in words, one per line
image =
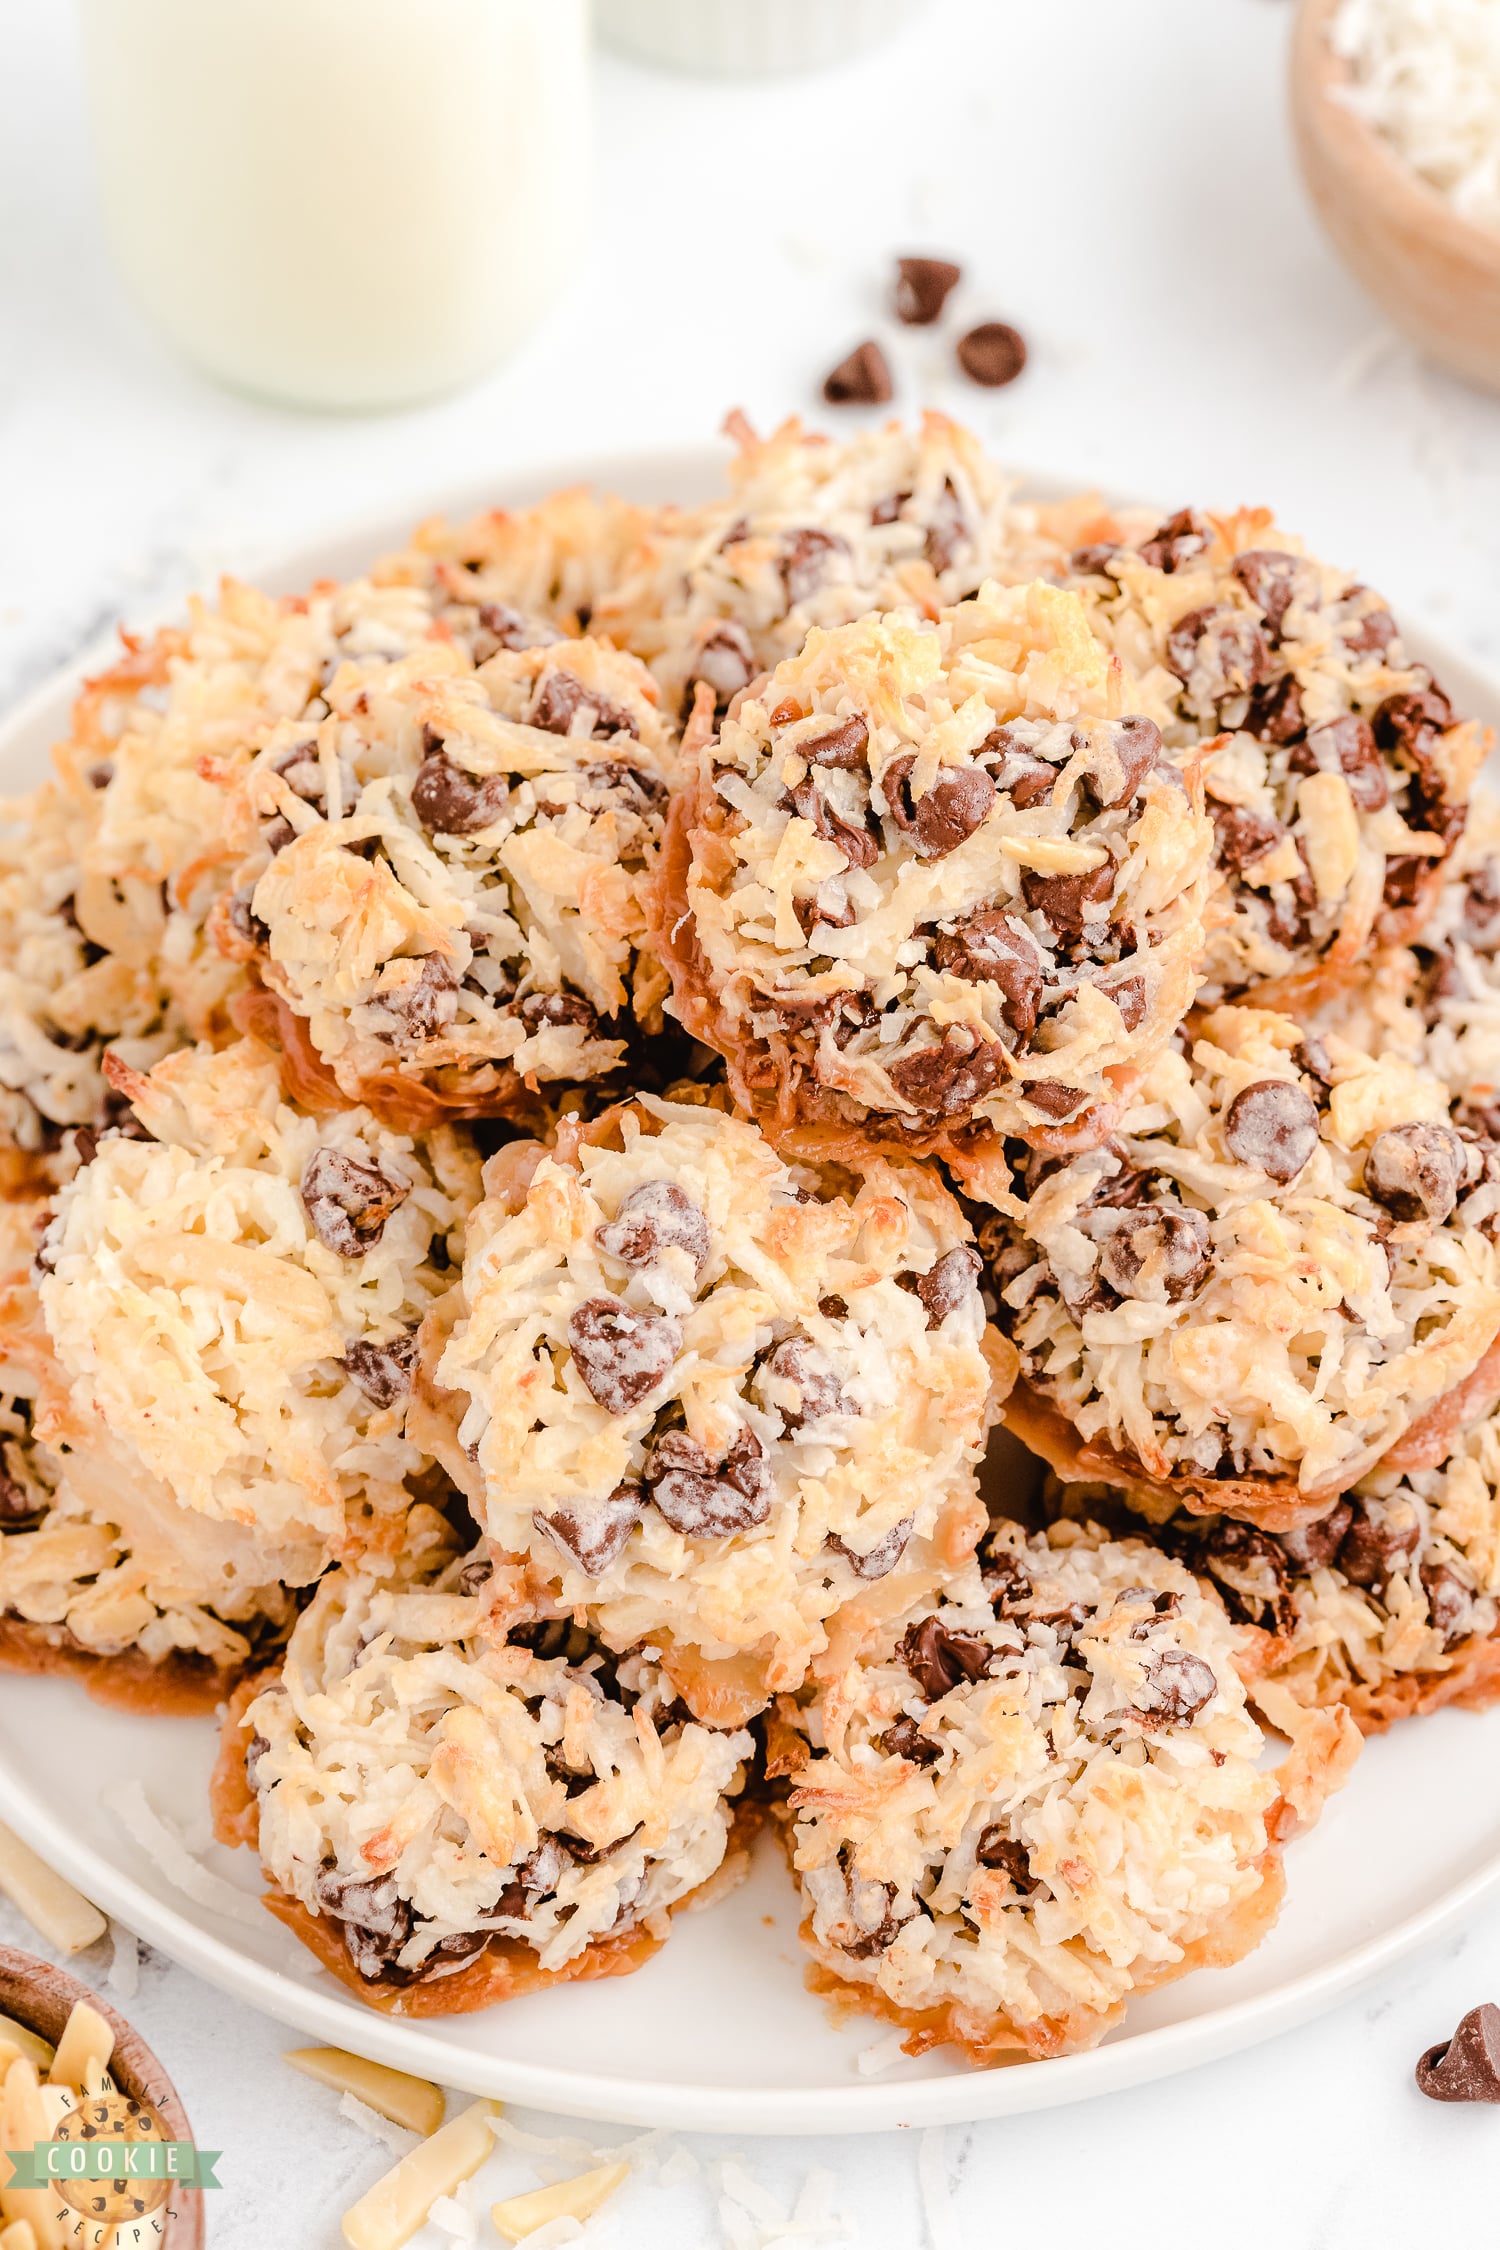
column 947, row 813
column 863, row 379
column 1375, row 1546
column 906, row 1740
column 450, row 802
column 1174, row 1688
column 996, row 1849
column 949, row 1282
column 1313, row 1546
column 947, row 1079
column 992, row 354
column 1416, row 1171
column 594, row 1533
column 923, row 286
column 1465, row 2068
column 1176, row 542
column 382, row 1371
column 939, row 1660
column 1157, row 1252
column 1273, row 1125
column 348, row 1202
column 621, row 1355
column 659, row 1216
column 990, row 948
column 877, row 1561
column 844, row 745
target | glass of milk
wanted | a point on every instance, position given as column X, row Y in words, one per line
column 342, row 203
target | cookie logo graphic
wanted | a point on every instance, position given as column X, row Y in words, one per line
column 118, row 2213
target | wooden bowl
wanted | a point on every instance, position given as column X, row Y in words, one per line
column 43, row 1998
column 1436, row 274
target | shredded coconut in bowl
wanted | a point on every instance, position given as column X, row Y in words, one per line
column 1426, row 75
column 1275, row 1268
column 1044, row 1798
column 233, row 1301
column 427, row 1787
column 713, row 1398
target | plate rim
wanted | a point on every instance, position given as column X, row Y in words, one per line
column 960, row 2095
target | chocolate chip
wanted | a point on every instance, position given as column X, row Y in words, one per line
column 1065, row 901
column 17, row 1506
column 923, row 286
column 1405, row 723
column 996, row 1849
column 621, row 1355
column 1157, row 1252
column 559, row 698
column 1005, row 1582
column 377, row 1919
column 1054, row 1099
column 806, row 559
column 1275, row 713
column 939, row 1660
column 952, row 1281
column 1023, row 777
column 844, row 745
column 1370, row 633
column 1131, row 998
column 799, row 1364
column 1272, row 1125
column 1347, row 746
column 1271, row 579
column 244, row 921
column 477, row 1572
column 1465, row 2068
column 807, row 801
column 863, row 379
column 1217, row 653
column 877, row 1561
column 1092, row 562
column 947, row 813
column 659, row 1216
column 1404, row 879
column 427, row 1005
column 725, row 659
column 1174, row 1688
column 551, row 1010
column 991, row 948
column 1480, row 923
column 1450, row 1603
column 1180, row 540
column 594, row 1532
column 1313, row 1546
column 947, row 1079
column 811, row 913
column 450, row 802
column 1416, row 1171
column 382, row 1371
column 1376, row 1545
column 1135, row 743
column 947, row 531
column 906, row 1740
column 645, row 793
column 992, row 354
column 872, row 1912
column 700, row 1504
column 1313, row 1060
column 348, row 1202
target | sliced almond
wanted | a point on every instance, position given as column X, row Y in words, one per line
column 26, row 2042
column 1054, row 855
column 1330, row 833
column 579, row 2198
column 84, row 2049
column 17, row 2236
column 24, row 2122
column 396, row 2207
column 413, row 2102
column 63, row 1916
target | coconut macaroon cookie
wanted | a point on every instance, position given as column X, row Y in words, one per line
column 938, row 880
column 816, row 532
column 714, row 1400
column 1336, row 769
column 444, row 876
column 233, row 1301
column 449, row 1817
column 1042, row 1799
column 1274, row 1271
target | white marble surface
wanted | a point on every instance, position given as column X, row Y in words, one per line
column 1118, row 183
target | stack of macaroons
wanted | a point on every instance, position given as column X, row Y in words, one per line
column 554, row 1096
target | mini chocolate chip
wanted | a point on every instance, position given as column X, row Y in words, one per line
column 1135, row 743
column 991, row 948
column 348, row 1202
column 656, row 1217
column 1181, row 539
column 1065, row 901
column 1156, row 1252
column 996, row 1849
column 947, row 1079
column 1465, row 2068
column 877, row 1561
column 844, row 745
column 725, row 659
column 1093, row 561
column 947, row 813
column 450, row 802
column 1272, row 580
column 382, row 1371
column 808, row 802
column 906, row 1740
column 477, row 1572
column 801, row 1365
column 1346, row 745
column 993, row 354
column 594, row 1532
column 551, row 1010
column 1130, row 996
column 244, row 921
column 923, row 286
column 1174, row 1688
column 807, row 556
column 1416, row 1171
column 1450, row 1603
column 1313, row 1546
column 621, row 1355
column 377, row 1919
column 863, row 379
column 1375, row 1546
column 951, row 1281
column 1272, row 1125
column 1275, row 713
column 1218, row 652
column 1373, row 630
column 427, row 1005
column 938, row 1660
column 560, row 696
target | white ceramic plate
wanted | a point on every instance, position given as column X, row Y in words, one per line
column 718, row 2032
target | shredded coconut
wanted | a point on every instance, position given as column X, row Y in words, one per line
column 394, row 2137
column 1426, row 75
column 124, row 1972
column 156, row 1837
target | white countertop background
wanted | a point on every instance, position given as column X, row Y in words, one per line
column 1117, row 181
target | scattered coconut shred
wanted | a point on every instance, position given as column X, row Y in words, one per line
column 1426, row 75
